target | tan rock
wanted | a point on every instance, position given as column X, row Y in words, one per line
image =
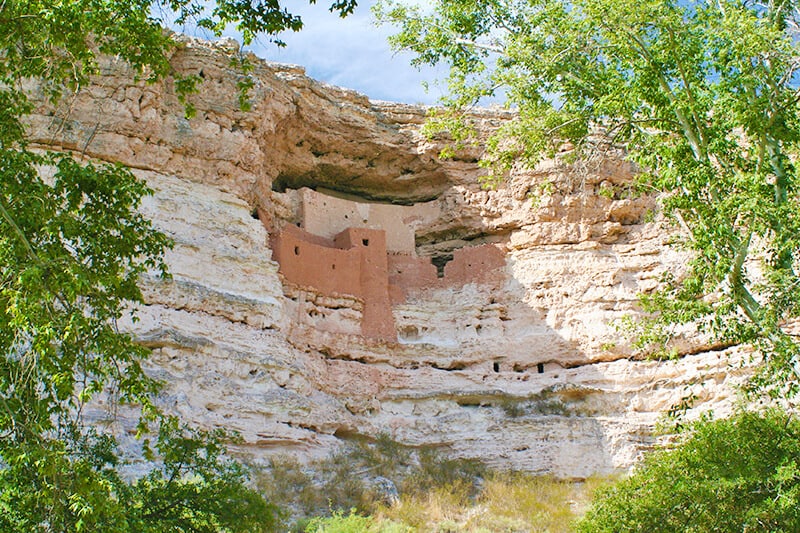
column 505, row 348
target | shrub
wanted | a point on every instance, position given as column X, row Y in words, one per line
column 737, row 474
column 352, row 523
column 338, row 523
column 435, row 470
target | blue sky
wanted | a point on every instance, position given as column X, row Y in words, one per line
column 350, row 52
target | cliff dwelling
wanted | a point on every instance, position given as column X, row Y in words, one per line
column 342, row 246
column 472, row 321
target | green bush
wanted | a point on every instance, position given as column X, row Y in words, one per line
column 352, row 523
column 737, row 474
column 338, row 523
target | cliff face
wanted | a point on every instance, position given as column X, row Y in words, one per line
column 333, row 278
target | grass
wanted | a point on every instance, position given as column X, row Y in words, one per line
column 507, row 502
column 436, row 494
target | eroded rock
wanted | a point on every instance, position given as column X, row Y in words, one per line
column 485, row 324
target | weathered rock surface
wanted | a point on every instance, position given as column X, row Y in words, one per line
column 523, row 367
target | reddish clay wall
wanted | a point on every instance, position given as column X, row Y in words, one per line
column 310, row 261
column 408, row 275
column 355, row 262
column 377, row 321
column 473, row 264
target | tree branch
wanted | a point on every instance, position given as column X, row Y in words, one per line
column 744, row 299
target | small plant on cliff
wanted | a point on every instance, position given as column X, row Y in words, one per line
column 72, row 247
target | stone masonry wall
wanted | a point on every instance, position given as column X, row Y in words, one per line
column 476, row 264
column 354, row 263
column 344, row 246
column 314, row 263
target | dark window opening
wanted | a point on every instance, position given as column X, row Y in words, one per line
column 365, row 242
column 333, row 267
column 496, row 367
column 297, row 224
column 439, row 262
column 540, row 368
column 296, row 250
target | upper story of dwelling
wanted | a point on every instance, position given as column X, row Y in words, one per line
column 326, row 214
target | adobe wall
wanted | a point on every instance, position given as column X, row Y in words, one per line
column 310, row 261
column 353, row 263
column 408, row 275
column 356, row 262
column 475, row 263
column 377, row 321
column 327, row 216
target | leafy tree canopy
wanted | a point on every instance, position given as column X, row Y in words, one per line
column 72, row 247
column 739, row 474
column 702, row 95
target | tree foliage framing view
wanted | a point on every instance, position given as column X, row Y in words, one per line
column 702, row 96
column 72, row 247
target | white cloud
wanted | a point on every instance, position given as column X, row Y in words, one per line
column 352, row 53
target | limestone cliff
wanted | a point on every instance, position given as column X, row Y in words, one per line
column 333, row 278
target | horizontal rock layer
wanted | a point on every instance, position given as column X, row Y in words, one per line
column 524, row 369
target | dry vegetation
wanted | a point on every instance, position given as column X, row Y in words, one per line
column 507, row 502
column 383, row 487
